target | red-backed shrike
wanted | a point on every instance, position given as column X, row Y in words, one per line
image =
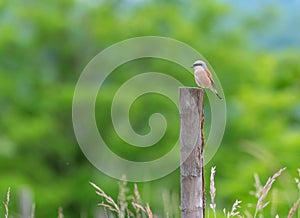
column 203, row 77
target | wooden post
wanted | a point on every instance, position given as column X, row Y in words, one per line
column 191, row 152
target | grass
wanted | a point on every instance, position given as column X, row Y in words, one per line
column 7, row 202
column 261, row 193
column 130, row 204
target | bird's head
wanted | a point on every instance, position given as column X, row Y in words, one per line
column 199, row 64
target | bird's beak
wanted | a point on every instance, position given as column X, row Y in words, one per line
column 192, row 66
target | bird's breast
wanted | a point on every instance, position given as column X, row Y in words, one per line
column 202, row 79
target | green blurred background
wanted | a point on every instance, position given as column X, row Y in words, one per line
column 45, row 45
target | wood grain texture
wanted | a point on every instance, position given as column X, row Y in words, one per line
column 191, row 152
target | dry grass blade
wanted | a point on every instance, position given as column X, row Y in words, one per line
column 122, row 197
column 107, row 198
column 129, row 213
column 136, row 200
column 137, row 207
column 294, row 208
column 149, row 212
column 122, row 208
column 234, row 210
column 257, row 185
column 248, row 214
column 108, row 207
column 297, row 180
column 136, row 193
column 7, row 202
column 60, row 212
column 145, row 209
column 260, row 205
column 32, row 211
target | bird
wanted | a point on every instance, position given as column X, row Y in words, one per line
column 203, row 77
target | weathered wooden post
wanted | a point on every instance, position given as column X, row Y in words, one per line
column 191, row 152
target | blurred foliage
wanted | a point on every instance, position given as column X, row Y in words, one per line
column 44, row 47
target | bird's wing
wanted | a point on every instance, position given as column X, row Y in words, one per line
column 209, row 76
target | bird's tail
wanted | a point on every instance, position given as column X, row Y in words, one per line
column 216, row 93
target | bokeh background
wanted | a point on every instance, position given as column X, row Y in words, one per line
column 44, row 46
